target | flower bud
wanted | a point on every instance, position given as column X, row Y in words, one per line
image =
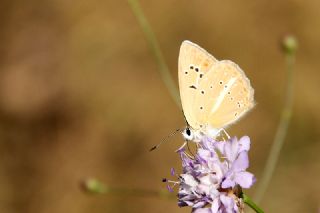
column 289, row 44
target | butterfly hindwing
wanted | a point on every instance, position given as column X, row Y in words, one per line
column 224, row 95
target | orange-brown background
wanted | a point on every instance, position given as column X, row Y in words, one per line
column 81, row 96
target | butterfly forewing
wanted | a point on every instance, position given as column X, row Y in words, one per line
column 194, row 63
column 224, row 95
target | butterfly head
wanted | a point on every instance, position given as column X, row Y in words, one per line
column 190, row 134
column 196, row 135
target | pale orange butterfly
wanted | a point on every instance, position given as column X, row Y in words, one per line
column 214, row 94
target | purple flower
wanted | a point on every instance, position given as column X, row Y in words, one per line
column 237, row 174
column 236, row 153
column 233, row 147
column 209, row 178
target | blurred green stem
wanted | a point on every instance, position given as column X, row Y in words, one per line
column 153, row 193
column 250, row 203
column 152, row 41
column 140, row 192
column 281, row 130
column 94, row 186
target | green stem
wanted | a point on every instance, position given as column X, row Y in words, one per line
column 250, row 203
column 140, row 192
column 153, row 44
column 280, row 134
column 94, row 186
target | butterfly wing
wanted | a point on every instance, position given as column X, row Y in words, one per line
column 194, row 63
column 223, row 96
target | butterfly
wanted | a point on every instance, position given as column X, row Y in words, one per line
column 214, row 94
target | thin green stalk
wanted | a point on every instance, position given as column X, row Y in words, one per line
column 94, row 186
column 140, row 192
column 153, row 44
column 283, row 124
column 250, row 203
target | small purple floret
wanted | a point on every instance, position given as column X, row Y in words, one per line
column 169, row 188
column 172, row 172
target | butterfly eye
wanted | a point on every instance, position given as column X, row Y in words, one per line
column 188, row 132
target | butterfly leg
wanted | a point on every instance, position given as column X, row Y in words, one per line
column 181, row 147
column 222, row 130
column 190, row 151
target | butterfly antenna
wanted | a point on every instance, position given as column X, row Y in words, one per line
column 165, row 139
column 185, row 118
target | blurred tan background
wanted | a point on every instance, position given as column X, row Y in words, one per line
column 81, row 96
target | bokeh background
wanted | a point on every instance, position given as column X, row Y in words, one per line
column 81, row 96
